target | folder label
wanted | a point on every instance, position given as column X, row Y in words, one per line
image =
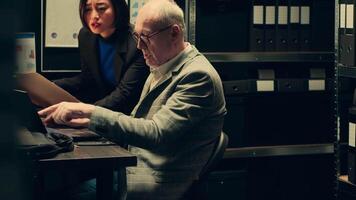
column 283, row 15
column 257, row 14
column 342, row 15
column 316, row 85
column 305, row 15
column 265, row 86
column 352, row 130
column 294, row 14
column 350, row 16
column 270, row 14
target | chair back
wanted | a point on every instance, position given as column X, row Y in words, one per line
column 216, row 155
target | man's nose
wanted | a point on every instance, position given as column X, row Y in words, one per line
column 140, row 44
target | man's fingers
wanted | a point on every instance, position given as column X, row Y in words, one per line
column 79, row 122
column 47, row 111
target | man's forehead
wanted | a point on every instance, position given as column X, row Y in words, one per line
column 144, row 25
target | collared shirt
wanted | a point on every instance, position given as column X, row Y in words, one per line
column 160, row 71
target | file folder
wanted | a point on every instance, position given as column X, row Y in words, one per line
column 294, row 25
column 270, row 25
column 257, row 39
column 282, row 26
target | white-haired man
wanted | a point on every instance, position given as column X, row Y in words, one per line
column 180, row 114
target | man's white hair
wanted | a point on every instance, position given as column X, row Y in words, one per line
column 165, row 12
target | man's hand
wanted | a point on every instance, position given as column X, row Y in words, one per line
column 70, row 114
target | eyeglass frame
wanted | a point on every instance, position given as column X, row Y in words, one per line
column 143, row 37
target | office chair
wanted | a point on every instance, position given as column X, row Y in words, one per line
column 214, row 159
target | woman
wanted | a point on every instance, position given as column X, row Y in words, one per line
column 113, row 70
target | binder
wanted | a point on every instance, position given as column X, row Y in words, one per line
column 282, row 26
column 293, row 25
column 292, row 85
column 350, row 17
column 305, row 39
column 265, row 82
column 351, row 165
column 342, row 30
column 270, row 25
column 317, row 79
column 347, row 51
column 342, row 16
column 237, row 87
column 257, row 39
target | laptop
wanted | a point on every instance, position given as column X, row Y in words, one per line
column 29, row 118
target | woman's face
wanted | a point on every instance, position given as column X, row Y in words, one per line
column 99, row 16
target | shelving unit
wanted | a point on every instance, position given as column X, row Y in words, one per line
column 346, row 82
column 281, row 150
column 261, row 166
column 270, row 56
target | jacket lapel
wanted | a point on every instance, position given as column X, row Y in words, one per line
column 148, row 96
column 121, row 50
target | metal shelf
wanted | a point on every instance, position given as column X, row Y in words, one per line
column 270, row 56
column 282, row 150
column 349, row 72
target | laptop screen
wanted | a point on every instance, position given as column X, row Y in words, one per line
column 26, row 112
column 28, row 117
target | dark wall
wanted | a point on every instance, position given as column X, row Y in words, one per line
column 11, row 179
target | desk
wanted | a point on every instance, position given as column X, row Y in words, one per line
column 103, row 159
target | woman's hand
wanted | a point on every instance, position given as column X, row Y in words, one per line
column 70, row 114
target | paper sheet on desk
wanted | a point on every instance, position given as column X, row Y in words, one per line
column 42, row 92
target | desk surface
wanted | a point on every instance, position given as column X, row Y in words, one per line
column 103, row 160
column 92, row 157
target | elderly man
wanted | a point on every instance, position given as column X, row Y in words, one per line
column 180, row 114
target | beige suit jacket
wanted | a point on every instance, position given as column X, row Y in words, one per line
column 173, row 128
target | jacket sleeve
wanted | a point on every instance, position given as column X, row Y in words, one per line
column 189, row 104
column 127, row 93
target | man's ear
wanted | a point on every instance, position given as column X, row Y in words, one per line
column 176, row 31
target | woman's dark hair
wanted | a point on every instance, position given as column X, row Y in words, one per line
column 121, row 11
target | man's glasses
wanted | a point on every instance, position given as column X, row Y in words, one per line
column 145, row 39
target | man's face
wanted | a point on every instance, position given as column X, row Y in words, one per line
column 155, row 42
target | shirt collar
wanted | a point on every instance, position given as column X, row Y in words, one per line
column 167, row 66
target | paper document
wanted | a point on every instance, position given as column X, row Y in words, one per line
column 42, row 92
column 62, row 23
